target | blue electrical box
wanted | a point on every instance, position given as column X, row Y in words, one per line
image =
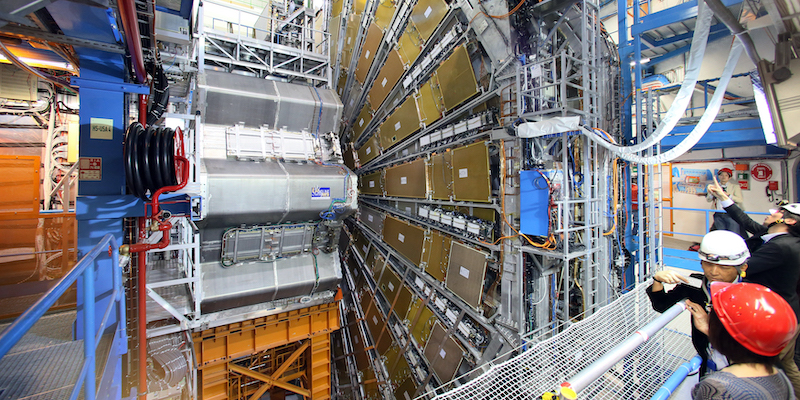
column 534, row 200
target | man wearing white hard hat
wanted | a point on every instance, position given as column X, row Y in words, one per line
column 723, row 256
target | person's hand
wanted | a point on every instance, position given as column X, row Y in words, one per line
column 716, row 190
column 700, row 316
column 671, row 277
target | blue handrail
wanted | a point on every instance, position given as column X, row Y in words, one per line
column 84, row 270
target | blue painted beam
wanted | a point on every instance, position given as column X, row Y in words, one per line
column 685, row 49
column 720, row 135
column 685, row 36
column 671, row 15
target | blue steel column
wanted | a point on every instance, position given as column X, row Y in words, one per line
column 106, row 195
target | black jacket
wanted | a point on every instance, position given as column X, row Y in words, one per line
column 663, row 300
column 775, row 264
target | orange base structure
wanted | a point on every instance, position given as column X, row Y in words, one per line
column 286, row 352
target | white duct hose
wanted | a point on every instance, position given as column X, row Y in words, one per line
column 684, row 96
column 699, row 130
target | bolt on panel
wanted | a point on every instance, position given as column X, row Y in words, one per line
column 440, row 174
column 351, row 32
column 456, row 78
column 384, row 13
column 422, row 320
column 465, row 273
column 368, row 50
column 364, row 117
column 406, row 180
column 471, row 174
column 390, row 73
column 371, row 183
column 410, row 44
column 372, row 218
column 444, row 354
column 437, row 255
column 403, row 122
column 427, row 15
column 370, row 149
column 407, row 239
column 429, row 102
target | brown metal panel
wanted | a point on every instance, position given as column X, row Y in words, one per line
column 384, row 13
column 403, row 302
column 389, row 285
column 443, row 353
column 350, row 34
column 410, row 44
column 375, row 322
column 429, row 103
column 407, row 239
column 422, row 320
column 403, row 122
column 406, row 180
column 437, row 255
column 335, row 23
column 440, row 173
column 456, row 78
column 349, row 156
column 371, row 183
column 465, row 273
column 370, row 149
column 370, row 46
column 406, row 390
column 342, row 82
column 358, row 7
column 372, row 218
column 406, row 207
column 363, row 120
column 390, row 73
column 361, row 243
column 471, row 175
column 427, row 15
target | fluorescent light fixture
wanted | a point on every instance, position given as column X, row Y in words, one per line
column 642, row 61
column 33, row 62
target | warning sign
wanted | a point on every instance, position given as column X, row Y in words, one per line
column 91, row 169
column 761, row 172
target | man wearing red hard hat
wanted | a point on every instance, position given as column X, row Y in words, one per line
column 723, row 221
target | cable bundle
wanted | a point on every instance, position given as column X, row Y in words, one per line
column 149, row 159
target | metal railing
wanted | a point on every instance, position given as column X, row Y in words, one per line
column 85, row 270
column 707, row 213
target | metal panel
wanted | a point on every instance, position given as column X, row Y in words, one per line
column 406, row 180
column 372, row 218
column 358, row 7
column 350, row 35
column 422, row 320
column 471, row 174
column 443, row 353
column 371, row 183
column 260, row 282
column 364, row 117
column 389, row 285
column 403, row 302
column 20, row 187
column 384, row 13
column 390, row 73
column 407, row 239
column 369, row 150
column 266, row 243
column 427, row 15
column 368, row 50
column 275, row 193
column 406, row 389
column 407, row 207
column 410, row 44
column 361, row 243
column 440, row 173
column 403, row 122
column 429, row 103
column 342, row 80
column 465, row 273
column 456, row 78
column 349, row 156
column 437, row 255
column 377, row 264
column 336, row 7
column 336, row 21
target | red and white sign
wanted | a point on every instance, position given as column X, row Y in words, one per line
column 761, row 172
column 91, row 169
column 745, row 185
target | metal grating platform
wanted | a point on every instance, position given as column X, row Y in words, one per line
column 44, row 364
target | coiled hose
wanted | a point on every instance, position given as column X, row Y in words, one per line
column 149, row 159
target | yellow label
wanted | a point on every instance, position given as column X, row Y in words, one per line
column 102, row 128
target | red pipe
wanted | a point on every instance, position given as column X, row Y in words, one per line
column 143, row 109
column 142, row 311
column 130, row 23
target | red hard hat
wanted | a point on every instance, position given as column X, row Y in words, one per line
column 728, row 170
column 758, row 318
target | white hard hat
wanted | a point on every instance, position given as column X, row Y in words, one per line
column 723, row 247
column 793, row 208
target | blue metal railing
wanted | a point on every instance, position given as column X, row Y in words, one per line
column 85, row 270
column 677, row 377
column 703, row 210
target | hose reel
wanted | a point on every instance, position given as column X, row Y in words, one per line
column 150, row 159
